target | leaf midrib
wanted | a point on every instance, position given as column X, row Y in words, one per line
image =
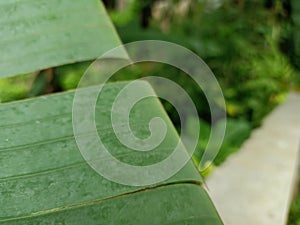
column 97, row 201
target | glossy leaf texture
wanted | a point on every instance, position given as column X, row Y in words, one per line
column 45, row 180
column 40, row 34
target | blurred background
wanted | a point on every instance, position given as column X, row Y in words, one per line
column 252, row 47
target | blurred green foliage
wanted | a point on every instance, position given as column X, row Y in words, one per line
column 294, row 217
column 295, row 34
column 238, row 40
column 14, row 88
column 237, row 131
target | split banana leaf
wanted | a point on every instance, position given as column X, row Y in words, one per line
column 43, row 176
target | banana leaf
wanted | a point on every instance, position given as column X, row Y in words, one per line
column 45, row 180
column 40, row 34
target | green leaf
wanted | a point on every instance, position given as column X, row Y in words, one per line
column 45, row 180
column 174, row 204
column 39, row 34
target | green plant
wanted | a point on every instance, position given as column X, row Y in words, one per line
column 294, row 218
column 43, row 177
column 14, row 88
column 241, row 50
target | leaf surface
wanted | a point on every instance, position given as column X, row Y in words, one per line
column 40, row 34
column 45, row 180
